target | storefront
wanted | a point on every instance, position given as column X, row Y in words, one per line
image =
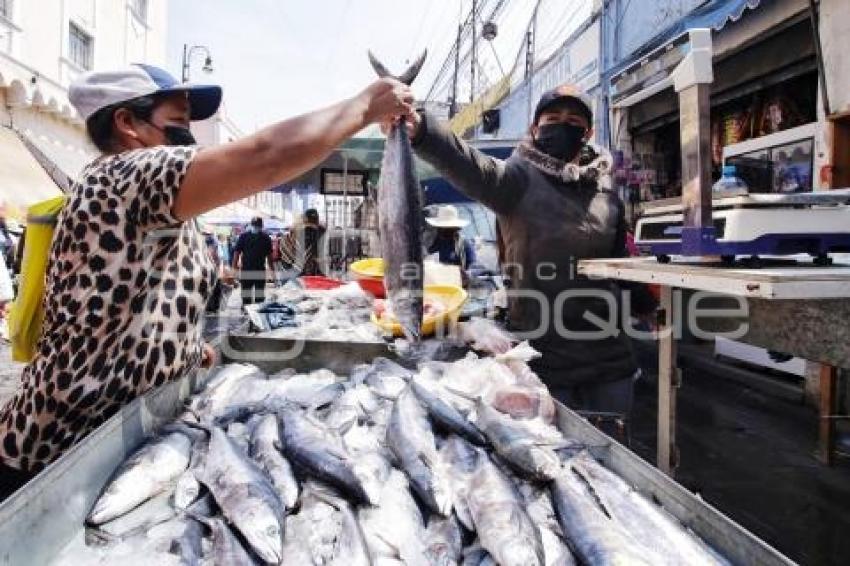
column 763, row 106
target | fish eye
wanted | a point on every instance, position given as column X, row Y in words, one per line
column 272, row 531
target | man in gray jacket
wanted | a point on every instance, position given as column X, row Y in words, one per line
column 555, row 205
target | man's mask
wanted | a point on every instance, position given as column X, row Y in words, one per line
column 561, row 141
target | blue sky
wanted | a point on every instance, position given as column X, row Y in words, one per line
column 279, row 58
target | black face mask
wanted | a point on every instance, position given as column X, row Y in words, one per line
column 176, row 135
column 561, row 141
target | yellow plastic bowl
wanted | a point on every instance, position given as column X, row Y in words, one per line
column 451, row 296
column 371, row 268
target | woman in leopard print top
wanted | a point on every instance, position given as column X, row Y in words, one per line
column 128, row 274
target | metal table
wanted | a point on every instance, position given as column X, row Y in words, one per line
column 792, row 307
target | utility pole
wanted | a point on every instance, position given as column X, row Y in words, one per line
column 474, row 51
column 529, row 59
column 453, row 105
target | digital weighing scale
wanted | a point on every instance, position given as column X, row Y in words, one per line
column 751, row 225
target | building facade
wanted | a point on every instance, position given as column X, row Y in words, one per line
column 44, row 46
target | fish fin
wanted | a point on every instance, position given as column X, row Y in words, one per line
column 407, row 77
column 410, row 74
column 378, row 66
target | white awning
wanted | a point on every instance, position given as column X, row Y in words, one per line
column 23, row 181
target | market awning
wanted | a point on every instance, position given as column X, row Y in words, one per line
column 23, row 181
column 237, row 214
column 714, row 14
column 68, row 158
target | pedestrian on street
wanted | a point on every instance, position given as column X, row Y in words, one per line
column 128, row 275
column 555, row 205
column 303, row 245
column 252, row 254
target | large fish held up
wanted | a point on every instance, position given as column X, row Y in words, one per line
column 400, row 219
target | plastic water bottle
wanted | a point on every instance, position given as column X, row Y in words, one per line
column 729, row 182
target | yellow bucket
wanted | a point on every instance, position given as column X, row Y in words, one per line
column 452, row 297
column 369, row 274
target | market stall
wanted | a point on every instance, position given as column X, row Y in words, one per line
column 788, row 307
column 44, row 523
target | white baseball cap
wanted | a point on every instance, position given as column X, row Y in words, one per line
column 447, row 217
column 96, row 90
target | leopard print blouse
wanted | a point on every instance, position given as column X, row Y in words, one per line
column 127, row 284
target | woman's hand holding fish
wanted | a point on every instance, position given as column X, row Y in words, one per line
column 387, row 99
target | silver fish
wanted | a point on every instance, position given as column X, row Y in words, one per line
column 400, row 219
column 596, row 539
column 269, row 395
column 504, row 528
column 538, row 504
column 265, row 450
column 647, row 522
column 386, row 378
column 475, row 555
column 325, row 531
column 462, row 460
column 411, row 440
column 188, row 488
column 311, row 446
column 240, row 434
column 146, row 474
column 245, row 495
column 217, row 393
column 353, row 406
column 394, row 530
column 226, row 548
column 189, row 545
column 370, row 458
column 531, row 456
column 444, row 541
column 444, row 415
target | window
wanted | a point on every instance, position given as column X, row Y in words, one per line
column 80, row 47
column 140, row 7
column 6, row 9
column 333, row 183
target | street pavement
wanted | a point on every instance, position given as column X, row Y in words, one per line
column 10, row 372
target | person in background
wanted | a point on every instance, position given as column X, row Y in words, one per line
column 252, row 255
column 277, row 263
column 449, row 243
column 7, row 295
column 223, row 250
column 301, row 248
column 7, row 243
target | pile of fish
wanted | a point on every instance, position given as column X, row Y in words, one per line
column 451, row 463
column 341, row 314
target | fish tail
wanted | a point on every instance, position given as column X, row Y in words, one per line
column 407, row 77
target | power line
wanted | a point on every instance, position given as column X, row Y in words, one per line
column 465, row 35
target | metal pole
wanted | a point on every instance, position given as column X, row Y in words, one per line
column 696, row 157
column 453, row 106
column 474, row 53
column 185, row 63
column 813, row 16
column 344, row 211
column 529, row 61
